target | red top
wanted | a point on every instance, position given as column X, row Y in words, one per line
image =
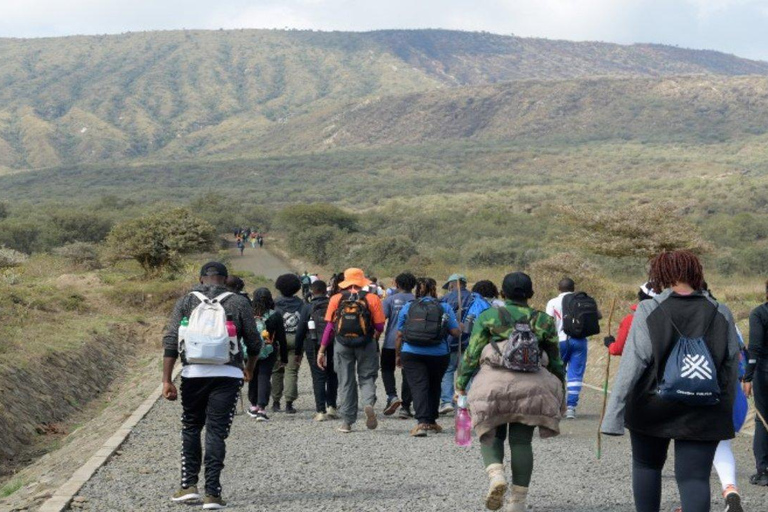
column 617, row 347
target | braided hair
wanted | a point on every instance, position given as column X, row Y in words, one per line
column 426, row 287
column 262, row 301
column 672, row 267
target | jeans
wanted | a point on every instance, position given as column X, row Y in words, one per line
column 446, row 388
column 693, row 465
column 260, row 385
column 520, row 447
column 760, row 443
column 356, row 366
column 286, row 379
column 325, row 383
column 424, row 375
column 388, row 368
column 208, row 402
column 573, row 351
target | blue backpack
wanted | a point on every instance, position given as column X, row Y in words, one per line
column 690, row 374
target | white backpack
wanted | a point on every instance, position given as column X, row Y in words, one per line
column 206, row 339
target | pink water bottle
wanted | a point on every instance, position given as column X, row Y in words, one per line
column 231, row 329
column 463, row 423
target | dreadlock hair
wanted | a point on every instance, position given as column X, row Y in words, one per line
column 426, row 287
column 486, row 289
column 262, row 301
column 672, row 267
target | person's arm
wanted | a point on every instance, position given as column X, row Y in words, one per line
column 302, row 328
column 377, row 313
column 757, row 349
column 276, row 329
column 247, row 329
column 480, row 337
column 171, row 349
column 617, row 347
column 398, row 349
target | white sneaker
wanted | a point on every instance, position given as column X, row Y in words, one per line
column 446, row 408
column 320, row 417
column 332, row 414
column 570, row 413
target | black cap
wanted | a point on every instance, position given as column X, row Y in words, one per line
column 517, row 285
column 214, row 268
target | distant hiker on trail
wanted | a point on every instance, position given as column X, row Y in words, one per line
column 325, row 382
column 756, row 381
column 287, row 378
column 236, row 285
column 423, row 352
column 375, row 288
column 392, row 305
column 240, row 245
column 676, row 381
column 519, row 386
column 355, row 319
column 253, row 239
column 260, row 240
column 211, row 379
column 456, row 284
column 577, row 318
column 274, row 353
column 616, row 345
column 306, row 281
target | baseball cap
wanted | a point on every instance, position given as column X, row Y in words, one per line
column 454, row 277
column 214, row 268
column 517, row 285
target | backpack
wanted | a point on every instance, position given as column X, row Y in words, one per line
column 261, row 326
column 467, row 300
column 317, row 314
column 352, row 320
column 425, row 324
column 206, row 339
column 690, row 374
column 521, row 352
column 581, row 318
column 291, row 324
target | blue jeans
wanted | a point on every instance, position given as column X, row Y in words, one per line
column 573, row 351
column 446, row 387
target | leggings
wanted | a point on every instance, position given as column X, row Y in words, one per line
column 693, row 465
column 520, row 437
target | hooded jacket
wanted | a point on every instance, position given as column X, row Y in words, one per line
column 285, row 306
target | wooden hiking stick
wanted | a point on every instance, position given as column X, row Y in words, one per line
column 605, row 386
column 458, row 360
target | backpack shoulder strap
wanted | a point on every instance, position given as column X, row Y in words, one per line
column 221, row 298
column 669, row 317
column 201, row 297
column 712, row 318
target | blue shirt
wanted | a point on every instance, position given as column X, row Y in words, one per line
column 392, row 306
column 452, row 299
column 437, row 350
column 479, row 304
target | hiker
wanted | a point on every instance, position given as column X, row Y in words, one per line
column 253, row 239
column 508, row 402
column 240, row 245
column 756, row 381
column 676, row 381
column 325, row 382
column 616, row 345
column 485, row 295
column 355, row 319
column 274, row 353
column 375, row 288
column 260, row 240
column 236, row 285
column 455, row 285
column 392, row 305
column 286, row 378
column 423, row 352
column 306, row 281
column 209, row 392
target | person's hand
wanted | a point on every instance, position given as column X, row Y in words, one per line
column 280, row 366
column 169, row 391
column 321, row 360
column 398, row 360
column 747, row 388
column 247, row 375
column 457, row 394
column 299, row 357
column 608, row 341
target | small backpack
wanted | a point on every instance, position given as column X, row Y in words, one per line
column 206, row 339
column 690, row 374
column 581, row 317
column 261, row 326
column 352, row 320
column 425, row 324
column 317, row 314
column 521, row 352
column 291, row 321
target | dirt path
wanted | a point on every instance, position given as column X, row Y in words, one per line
column 260, row 261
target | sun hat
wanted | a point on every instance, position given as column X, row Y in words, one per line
column 354, row 277
column 455, row 277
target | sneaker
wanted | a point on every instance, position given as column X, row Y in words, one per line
column 434, row 427
column 276, row 406
column 331, row 413
column 213, row 503
column 253, row 412
column 392, row 405
column 262, row 416
column 186, row 494
column 370, row 418
column 321, row 416
column 420, row 430
column 405, row 413
column 759, row 479
column 289, row 408
column 733, row 502
column 445, row 408
column 345, row 428
column 570, row 413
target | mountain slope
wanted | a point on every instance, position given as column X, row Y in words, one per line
column 185, row 94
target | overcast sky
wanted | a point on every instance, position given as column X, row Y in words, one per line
column 733, row 26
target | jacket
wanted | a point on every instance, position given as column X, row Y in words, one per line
column 617, row 347
column 235, row 306
column 302, row 333
column 758, row 342
column 634, row 401
column 287, row 306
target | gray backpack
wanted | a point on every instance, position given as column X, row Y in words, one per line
column 521, row 351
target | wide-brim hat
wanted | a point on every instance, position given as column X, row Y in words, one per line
column 354, row 277
column 455, row 277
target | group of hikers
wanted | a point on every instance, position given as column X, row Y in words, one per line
column 244, row 236
column 512, row 366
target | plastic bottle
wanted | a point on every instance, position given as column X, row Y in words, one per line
column 469, row 322
column 183, row 329
column 463, row 423
column 312, row 330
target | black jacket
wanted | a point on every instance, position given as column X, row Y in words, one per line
column 303, row 331
column 758, row 342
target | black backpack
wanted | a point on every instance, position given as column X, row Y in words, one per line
column 425, row 325
column 352, row 321
column 581, row 317
column 317, row 314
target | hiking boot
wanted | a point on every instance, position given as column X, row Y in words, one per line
column 445, row 408
column 186, row 494
column 276, row 406
column 289, row 408
column 434, row 427
column 405, row 413
column 261, row 415
column 332, row 414
column 345, row 428
column 392, row 405
column 320, row 416
column 733, row 501
column 498, row 487
column 420, row 430
column 570, row 413
column 370, row 418
column 759, row 478
column 213, row 503
column 516, row 502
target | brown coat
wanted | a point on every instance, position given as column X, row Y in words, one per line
column 499, row 396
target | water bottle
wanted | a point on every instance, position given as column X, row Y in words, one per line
column 312, row 330
column 463, row 423
column 183, row 332
column 469, row 322
column 232, row 333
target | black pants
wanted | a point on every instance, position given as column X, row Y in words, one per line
column 208, row 402
column 260, row 385
column 425, row 375
column 760, row 444
column 693, row 465
column 325, row 383
column 388, row 368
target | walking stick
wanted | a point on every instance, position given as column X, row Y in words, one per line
column 605, row 386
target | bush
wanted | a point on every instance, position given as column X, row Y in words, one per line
column 10, row 258
column 377, row 254
column 82, row 254
column 66, row 226
column 19, row 235
column 321, row 245
column 302, row 217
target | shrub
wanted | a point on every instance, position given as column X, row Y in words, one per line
column 82, row 254
column 19, row 235
column 68, row 226
column 301, row 217
column 376, row 254
column 10, row 258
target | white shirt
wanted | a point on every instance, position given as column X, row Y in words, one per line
column 555, row 310
column 194, row 371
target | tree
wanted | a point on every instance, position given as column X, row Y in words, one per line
column 299, row 217
column 158, row 240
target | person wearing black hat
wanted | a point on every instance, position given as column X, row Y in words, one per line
column 209, row 392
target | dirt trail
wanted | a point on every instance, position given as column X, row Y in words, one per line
column 260, row 261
